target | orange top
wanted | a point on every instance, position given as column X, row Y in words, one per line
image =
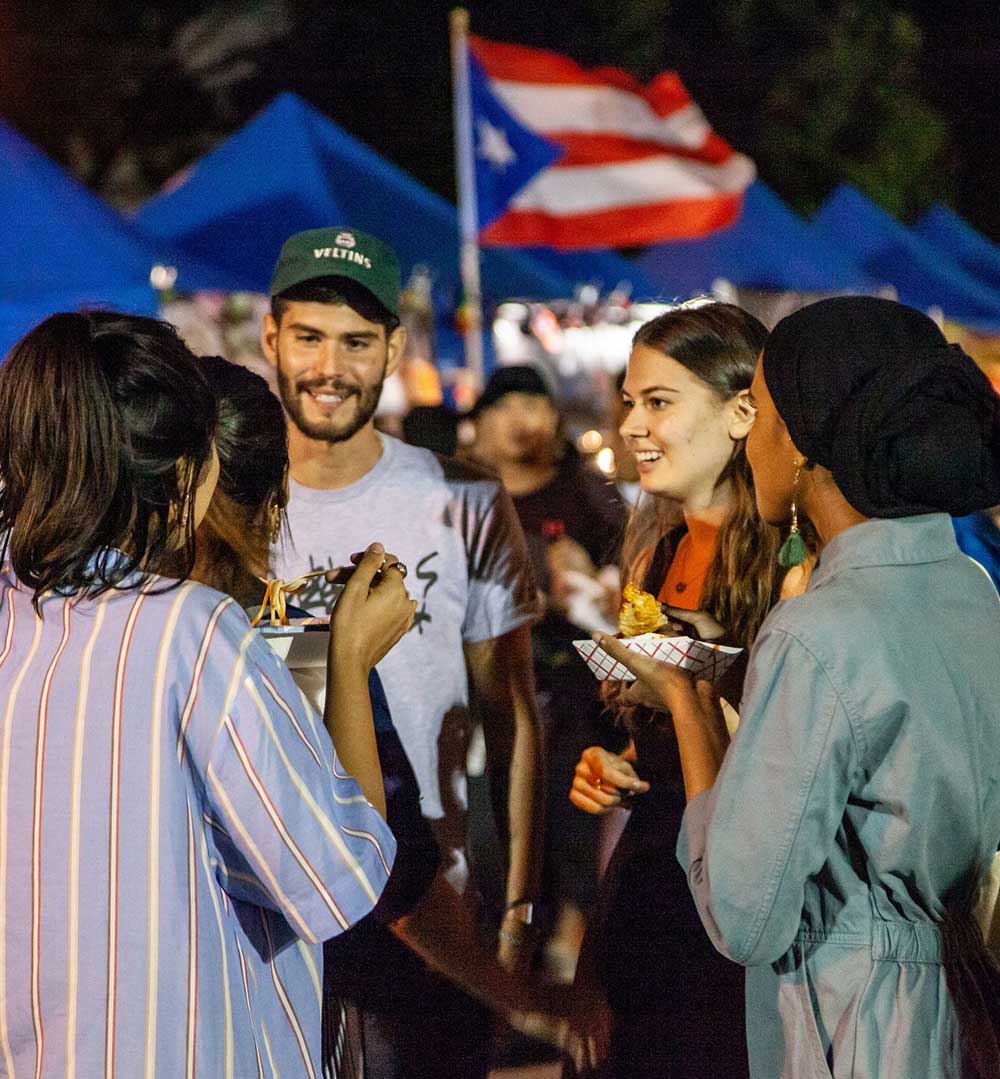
column 689, row 566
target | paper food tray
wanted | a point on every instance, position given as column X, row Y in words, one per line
column 706, row 661
column 300, row 646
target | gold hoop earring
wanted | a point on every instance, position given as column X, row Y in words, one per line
column 274, row 522
column 793, row 550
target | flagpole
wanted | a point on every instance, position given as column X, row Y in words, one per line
column 468, row 213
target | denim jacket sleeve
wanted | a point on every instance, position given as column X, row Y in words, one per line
column 750, row 843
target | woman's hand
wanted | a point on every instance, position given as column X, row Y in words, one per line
column 564, row 556
column 698, row 721
column 371, row 614
column 658, row 685
column 705, row 626
column 602, row 779
column 796, row 580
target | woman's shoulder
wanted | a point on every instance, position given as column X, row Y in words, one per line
column 806, row 624
column 197, row 611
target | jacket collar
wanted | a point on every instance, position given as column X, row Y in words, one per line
column 900, row 541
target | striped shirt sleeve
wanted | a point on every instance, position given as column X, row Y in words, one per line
column 302, row 830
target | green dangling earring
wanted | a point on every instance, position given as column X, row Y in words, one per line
column 793, row 550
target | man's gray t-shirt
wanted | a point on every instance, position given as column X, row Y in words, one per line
column 456, row 530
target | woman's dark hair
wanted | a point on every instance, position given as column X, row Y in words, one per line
column 251, row 439
column 106, row 425
column 249, row 435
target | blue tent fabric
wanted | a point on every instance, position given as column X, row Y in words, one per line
column 61, row 248
column 979, row 538
column 954, row 236
column 291, row 168
column 57, row 236
column 768, row 247
column 602, row 267
column 16, row 319
column 923, row 275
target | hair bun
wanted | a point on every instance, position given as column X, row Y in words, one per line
column 920, row 435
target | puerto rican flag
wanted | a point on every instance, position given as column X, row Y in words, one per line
column 639, row 164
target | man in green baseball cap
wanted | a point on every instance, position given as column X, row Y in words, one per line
column 333, row 336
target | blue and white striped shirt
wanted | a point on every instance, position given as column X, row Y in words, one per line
column 176, row 838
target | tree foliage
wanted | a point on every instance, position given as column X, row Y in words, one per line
column 850, row 109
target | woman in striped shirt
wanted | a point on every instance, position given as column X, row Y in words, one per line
column 177, row 835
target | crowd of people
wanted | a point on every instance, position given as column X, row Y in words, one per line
column 216, row 863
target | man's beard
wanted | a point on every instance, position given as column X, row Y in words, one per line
column 334, row 429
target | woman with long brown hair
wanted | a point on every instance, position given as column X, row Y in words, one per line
column 696, row 543
column 246, row 513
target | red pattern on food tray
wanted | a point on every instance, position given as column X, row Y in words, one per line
column 703, row 660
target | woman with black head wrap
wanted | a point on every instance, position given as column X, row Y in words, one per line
column 837, row 849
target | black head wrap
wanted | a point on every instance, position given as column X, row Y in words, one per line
column 871, row 390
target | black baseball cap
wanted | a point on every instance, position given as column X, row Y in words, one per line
column 520, row 378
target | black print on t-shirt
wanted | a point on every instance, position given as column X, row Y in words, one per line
column 318, row 592
column 423, row 574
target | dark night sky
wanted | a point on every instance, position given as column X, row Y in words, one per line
column 381, row 70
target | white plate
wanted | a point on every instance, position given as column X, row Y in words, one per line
column 301, row 647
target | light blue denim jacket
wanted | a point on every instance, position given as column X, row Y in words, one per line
column 859, row 797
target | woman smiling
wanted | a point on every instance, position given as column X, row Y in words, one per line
column 697, row 543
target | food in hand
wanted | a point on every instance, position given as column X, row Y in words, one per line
column 276, row 592
column 639, row 612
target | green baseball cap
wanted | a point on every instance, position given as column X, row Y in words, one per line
column 339, row 252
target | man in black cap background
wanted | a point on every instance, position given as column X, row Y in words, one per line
column 333, row 336
column 573, row 520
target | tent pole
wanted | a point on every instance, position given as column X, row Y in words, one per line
column 468, row 215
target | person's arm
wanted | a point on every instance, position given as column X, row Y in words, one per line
column 294, row 830
column 702, row 735
column 501, row 673
column 750, row 841
column 441, row 929
column 372, row 614
column 501, row 605
column 347, row 716
column 444, row 933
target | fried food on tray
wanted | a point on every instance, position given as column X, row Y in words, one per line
column 639, row 613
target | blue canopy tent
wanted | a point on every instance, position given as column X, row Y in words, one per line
column 962, row 243
column 602, row 267
column 923, row 275
column 60, row 247
column 768, row 247
column 291, row 168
